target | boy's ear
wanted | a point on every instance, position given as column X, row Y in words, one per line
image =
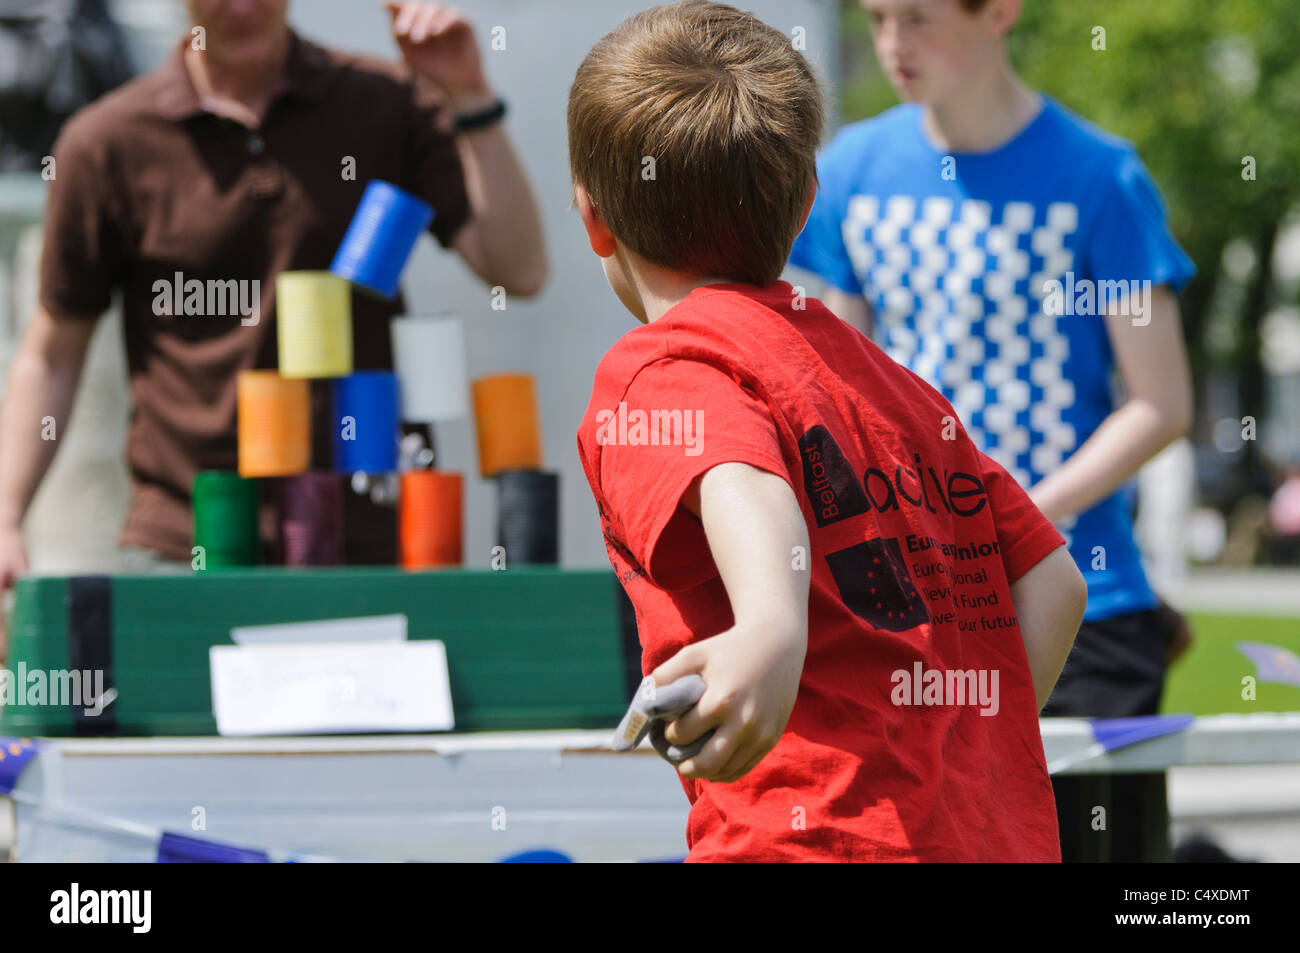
column 599, row 236
column 808, row 202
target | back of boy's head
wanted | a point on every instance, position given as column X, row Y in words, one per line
column 694, row 129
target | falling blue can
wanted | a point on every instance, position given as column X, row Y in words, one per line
column 379, row 241
column 366, row 422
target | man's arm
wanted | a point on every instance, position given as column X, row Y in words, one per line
column 502, row 241
column 754, row 529
column 42, row 383
column 851, row 309
column 1050, row 600
column 1152, row 361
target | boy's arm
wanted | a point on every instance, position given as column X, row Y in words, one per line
column 1152, row 362
column 755, row 529
column 1050, row 600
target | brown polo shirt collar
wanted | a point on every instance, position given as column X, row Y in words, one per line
column 306, row 74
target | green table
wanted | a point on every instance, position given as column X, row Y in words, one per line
column 527, row 648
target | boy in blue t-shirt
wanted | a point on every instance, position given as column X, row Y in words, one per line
column 1017, row 258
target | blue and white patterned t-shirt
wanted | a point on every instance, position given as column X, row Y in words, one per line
column 981, row 270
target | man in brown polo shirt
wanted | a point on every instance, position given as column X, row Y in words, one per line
column 243, row 156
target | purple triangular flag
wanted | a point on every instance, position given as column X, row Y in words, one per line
column 178, row 849
column 1272, row 662
column 15, row 753
column 1112, row 733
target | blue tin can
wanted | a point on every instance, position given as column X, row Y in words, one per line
column 380, row 238
column 366, row 422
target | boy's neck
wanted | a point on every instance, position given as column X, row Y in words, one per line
column 983, row 115
column 660, row 290
column 665, row 299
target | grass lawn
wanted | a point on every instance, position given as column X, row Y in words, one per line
column 1207, row 680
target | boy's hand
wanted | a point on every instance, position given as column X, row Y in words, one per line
column 751, row 674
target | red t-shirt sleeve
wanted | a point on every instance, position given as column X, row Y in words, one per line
column 721, row 422
column 1025, row 535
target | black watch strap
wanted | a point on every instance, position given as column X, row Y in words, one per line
column 483, row 118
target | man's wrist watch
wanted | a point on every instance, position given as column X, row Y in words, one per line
column 481, row 119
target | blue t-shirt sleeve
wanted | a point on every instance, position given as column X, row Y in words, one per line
column 820, row 246
column 1130, row 239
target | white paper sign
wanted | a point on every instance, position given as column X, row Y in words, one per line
column 331, row 687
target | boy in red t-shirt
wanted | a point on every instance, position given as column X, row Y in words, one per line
column 876, row 608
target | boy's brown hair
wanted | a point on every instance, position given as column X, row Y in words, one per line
column 694, row 129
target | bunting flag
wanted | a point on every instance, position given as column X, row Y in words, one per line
column 15, row 753
column 1272, row 662
column 1115, row 733
column 544, row 856
column 178, row 849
